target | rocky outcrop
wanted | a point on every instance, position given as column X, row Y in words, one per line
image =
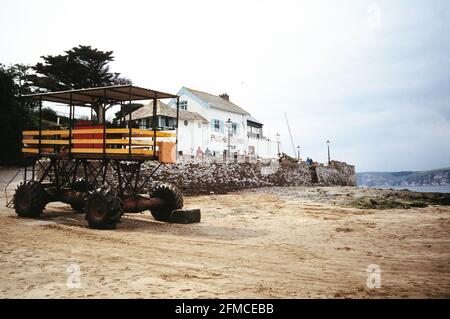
column 437, row 177
column 337, row 173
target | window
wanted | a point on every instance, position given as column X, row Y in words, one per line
column 142, row 123
column 168, row 122
column 183, row 105
column 216, row 125
column 234, row 128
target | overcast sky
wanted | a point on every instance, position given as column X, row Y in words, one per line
column 373, row 77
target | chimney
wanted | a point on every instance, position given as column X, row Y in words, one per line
column 225, row 96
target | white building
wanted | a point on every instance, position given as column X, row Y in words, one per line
column 210, row 124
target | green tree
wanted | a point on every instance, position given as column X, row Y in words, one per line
column 80, row 67
column 22, row 76
column 12, row 118
column 22, row 84
column 49, row 114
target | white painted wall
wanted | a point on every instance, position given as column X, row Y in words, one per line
column 193, row 135
column 263, row 147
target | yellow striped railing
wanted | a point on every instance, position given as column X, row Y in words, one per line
column 125, row 151
column 57, row 141
column 134, row 132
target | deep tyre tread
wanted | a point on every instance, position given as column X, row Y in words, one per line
column 83, row 186
column 103, row 209
column 29, row 199
column 78, row 207
column 172, row 200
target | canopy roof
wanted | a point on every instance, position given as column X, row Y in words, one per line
column 106, row 94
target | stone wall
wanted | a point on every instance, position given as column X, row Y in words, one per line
column 337, row 173
column 197, row 177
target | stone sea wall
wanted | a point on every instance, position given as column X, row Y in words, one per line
column 197, row 176
column 200, row 177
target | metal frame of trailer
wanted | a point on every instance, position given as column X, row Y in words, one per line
column 103, row 179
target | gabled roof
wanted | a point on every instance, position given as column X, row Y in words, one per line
column 217, row 102
column 165, row 110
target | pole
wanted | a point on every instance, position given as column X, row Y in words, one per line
column 298, row 152
column 40, row 124
column 33, row 169
column 104, row 123
column 278, row 143
column 154, row 125
column 176, row 132
column 328, row 144
column 129, row 121
column 70, row 126
column 229, row 139
column 290, row 134
column 22, row 117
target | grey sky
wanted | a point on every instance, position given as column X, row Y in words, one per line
column 371, row 76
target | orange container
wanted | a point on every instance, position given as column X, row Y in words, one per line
column 167, row 152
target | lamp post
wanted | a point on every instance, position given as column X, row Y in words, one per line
column 229, row 138
column 328, row 144
column 278, row 144
column 298, row 152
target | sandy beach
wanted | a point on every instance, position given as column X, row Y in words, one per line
column 297, row 242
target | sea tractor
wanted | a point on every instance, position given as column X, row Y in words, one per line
column 96, row 168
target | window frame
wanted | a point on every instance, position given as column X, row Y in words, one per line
column 234, row 128
column 216, row 129
column 184, row 105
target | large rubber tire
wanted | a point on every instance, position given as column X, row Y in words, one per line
column 103, row 209
column 83, row 186
column 29, row 199
column 78, row 207
column 172, row 200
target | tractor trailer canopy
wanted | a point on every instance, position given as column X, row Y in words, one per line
column 86, row 139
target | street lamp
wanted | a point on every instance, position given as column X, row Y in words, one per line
column 328, row 144
column 298, row 152
column 278, row 143
column 229, row 138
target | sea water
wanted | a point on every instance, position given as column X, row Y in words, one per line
column 423, row 189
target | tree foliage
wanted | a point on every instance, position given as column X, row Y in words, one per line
column 80, row 67
column 12, row 117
